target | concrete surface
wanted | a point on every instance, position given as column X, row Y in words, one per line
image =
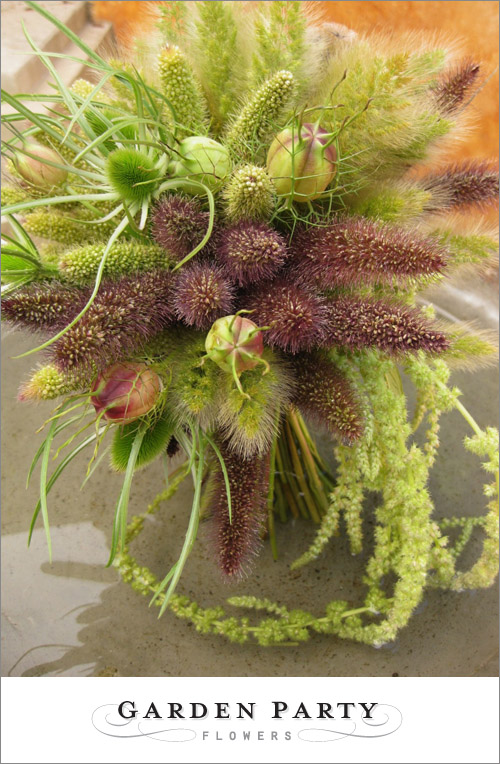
column 76, row 618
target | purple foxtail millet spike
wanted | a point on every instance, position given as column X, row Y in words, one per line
column 324, row 394
column 42, row 307
column 454, row 86
column 179, row 224
column 357, row 323
column 202, row 294
column 356, row 251
column 472, row 182
column 296, row 316
column 124, row 315
column 251, row 252
column 238, row 541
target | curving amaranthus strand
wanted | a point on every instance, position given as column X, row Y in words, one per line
column 357, row 251
column 259, row 117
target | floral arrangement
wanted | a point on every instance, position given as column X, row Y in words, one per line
column 233, row 225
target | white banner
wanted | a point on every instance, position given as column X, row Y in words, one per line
column 228, row 719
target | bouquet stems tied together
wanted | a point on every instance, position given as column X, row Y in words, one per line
column 222, row 247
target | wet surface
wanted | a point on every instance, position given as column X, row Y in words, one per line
column 75, row 617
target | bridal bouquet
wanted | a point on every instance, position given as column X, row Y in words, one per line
column 220, row 239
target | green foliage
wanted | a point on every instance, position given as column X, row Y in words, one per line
column 392, row 203
column 471, row 248
column 154, row 442
column 218, row 58
column 280, row 29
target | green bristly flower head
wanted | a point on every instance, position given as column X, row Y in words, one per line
column 132, row 174
column 179, row 85
column 80, row 265
column 46, row 383
column 249, row 195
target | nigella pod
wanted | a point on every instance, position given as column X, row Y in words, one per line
column 302, row 162
column 32, row 164
column 125, row 391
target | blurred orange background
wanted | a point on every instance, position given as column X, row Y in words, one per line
column 472, row 23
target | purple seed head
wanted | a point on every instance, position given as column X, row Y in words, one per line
column 296, row 316
column 178, row 225
column 202, row 294
column 455, row 85
column 251, row 252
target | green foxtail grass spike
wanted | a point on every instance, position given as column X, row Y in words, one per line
column 80, row 265
column 179, row 85
column 248, row 195
column 258, row 118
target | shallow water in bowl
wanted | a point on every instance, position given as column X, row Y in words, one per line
column 75, row 617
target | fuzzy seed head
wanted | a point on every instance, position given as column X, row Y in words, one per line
column 45, row 384
column 42, row 306
column 324, row 394
column 180, row 87
column 249, row 195
column 178, row 225
column 296, row 316
column 473, row 182
column 124, row 315
column 237, row 542
column 131, row 174
column 202, row 294
column 355, row 251
column 355, row 323
column 251, row 252
column 455, row 85
column 81, row 265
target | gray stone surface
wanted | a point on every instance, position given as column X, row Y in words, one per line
column 75, row 618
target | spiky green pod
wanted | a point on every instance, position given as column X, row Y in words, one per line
column 260, row 117
column 45, row 384
column 55, row 226
column 249, row 424
column 180, row 86
column 194, row 394
column 249, row 194
column 81, row 264
column 132, row 174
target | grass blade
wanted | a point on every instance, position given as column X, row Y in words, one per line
column 120, row 522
